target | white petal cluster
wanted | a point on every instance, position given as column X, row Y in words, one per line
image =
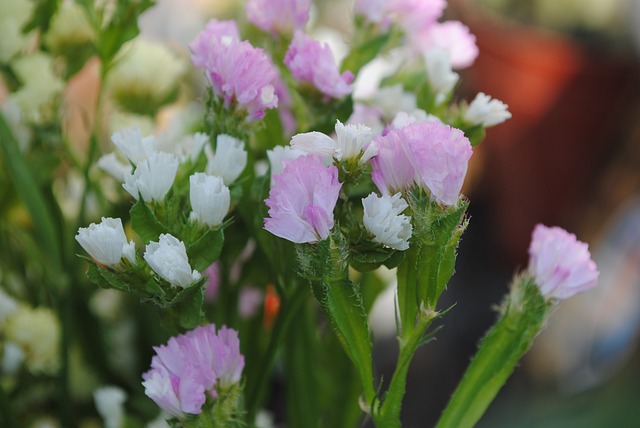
column 441, row 76
column 113, row 166
column 153, row 177
column 229, row 160
column 279, row 156
column 383, row 219
column 486, row 111
column 109, row 401
column 352, row 142
column 210, row 199
column 106, row 242
column 168, row 258
column 133, row 145
column 403, row 119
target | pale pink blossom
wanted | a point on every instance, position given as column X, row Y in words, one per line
column 560, row 264
column 249, row 301
column 240, row 74
column 312, row 61
column 416, row 15
column 213, row 33
column 192, row 364
column 213, row 282
column 302, row 200
column 431, row 155
column 452, row 36
column 278, row 16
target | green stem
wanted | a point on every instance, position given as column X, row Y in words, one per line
column 524, row 313
column 287, row 311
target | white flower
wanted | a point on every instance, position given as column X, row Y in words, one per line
column 168, row 258
column 113, row 166
column 439, row 72
column 133, row 145
column 36, row 331
column 279, row 156
column 403, row 119
column 486, row 111
column 106, row 242
column 109, row 401
column 351, row 142
column 383, row 219
column 69, row 27
column 153, row 177
column 229, row 159
column 393, row 99
column 210, row 199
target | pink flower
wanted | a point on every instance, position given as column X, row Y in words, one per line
column 416, row 15
column 452, row 36
column 249, row 301
column 560, row 264
column 214, row 31
column 429, row 154
column 302, row 200
column 239, row 73
column 191, row 364
column 311, row 61
column 278, row 16
column 213, row 282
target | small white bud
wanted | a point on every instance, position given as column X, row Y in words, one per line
column 210, row 199
column 441, row 76
column 106, row 242
column 486, row 111
column 153, row 177
column 383, row 219
column 168, row 258
column 229, row 160
column 109, row 401
column 110, row 164
column 133, row 145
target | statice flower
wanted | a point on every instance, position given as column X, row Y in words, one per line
column 312, row 62
column 452, row 36
column 352, row 142
column 113, row 166
column 168, row 258
column 214, row 31
column 383, row 218
column 486, row 111
column 106, row 242
column 153, row 177
column 416, row 15
column 430, row 155
column 229, row 160
column 442, row 78
column 279, row 156
column 278, row 16
column 403, row 119
column 210, row 199
column 131, row 143
column 240, row 74
column 302, row 200
column 560, row 264
column 192, row 364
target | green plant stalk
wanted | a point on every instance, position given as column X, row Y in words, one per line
column 523, row 314
column 389, row 414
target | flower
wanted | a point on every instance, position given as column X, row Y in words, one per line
column 372, row 10
column 311, row 61
column 302, row 200
column 109, row 402
column 560, row 264
column 486, row 111
column 383, row 219
column 452, row 36
column 431, row 155
column 131, row 143
column 69, row 27
column 36, row 331
column 416, row 15
column 14, row 15
column 352, row 142
column 113, row 166
column 240, row 74
column 106, row 242
column 145, row 76
column 168, row 258
column 229, row 160
column 213, row 32
column 213, row 282
column 278, row 16
column 279, row 156
column 210, row 199
column 403, row 119
column 249, row 301
column 442, row 78
column 153, row 177
column 192, row 364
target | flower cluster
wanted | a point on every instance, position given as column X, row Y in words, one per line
column 192, row 365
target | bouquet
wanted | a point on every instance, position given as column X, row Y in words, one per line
column 221, row 216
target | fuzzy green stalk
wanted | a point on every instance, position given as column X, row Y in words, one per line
column 522, row 317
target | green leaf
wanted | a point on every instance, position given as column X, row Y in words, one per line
column 188, row 306
column 41, row 18
column 365, row 52
column 206, row 249
column 145, row 222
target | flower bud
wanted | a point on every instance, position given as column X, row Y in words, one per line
column 106, row 242
column 229, row 160
column 210, row 199
column 168, row 258
column 153, row 177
